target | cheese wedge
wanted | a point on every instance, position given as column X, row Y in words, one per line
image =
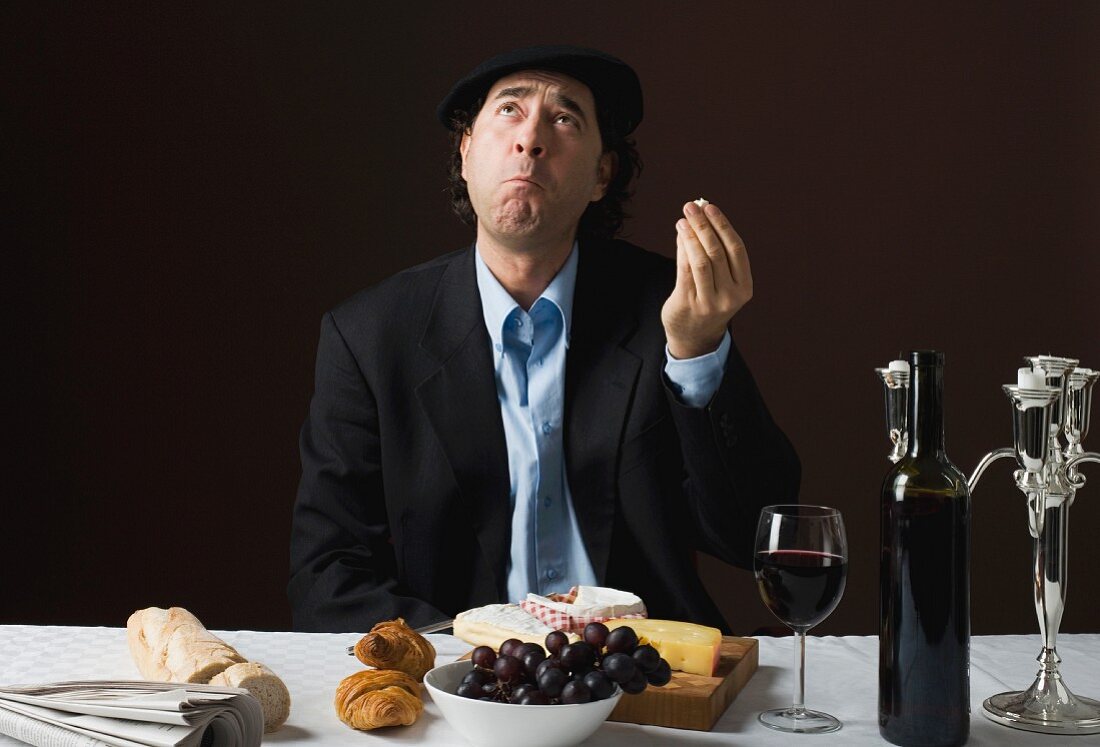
column 685, row 646
column 493, row 624
column 599, row 601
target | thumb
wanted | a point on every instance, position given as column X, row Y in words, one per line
column 685, row 283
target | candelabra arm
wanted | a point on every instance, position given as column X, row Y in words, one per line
column 987, row 460
column 1088, row 456
column 1076, row 480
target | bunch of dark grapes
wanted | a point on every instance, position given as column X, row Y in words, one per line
column 564, row 672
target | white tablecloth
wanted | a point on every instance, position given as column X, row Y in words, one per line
column 841, row 679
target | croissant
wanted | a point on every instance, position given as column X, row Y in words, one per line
column 378, row 697
column 394, row 645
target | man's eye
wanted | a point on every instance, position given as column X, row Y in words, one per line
column 565, row 119
column 507, row 109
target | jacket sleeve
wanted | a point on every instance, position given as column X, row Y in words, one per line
column 343, row 570
column 736, row 461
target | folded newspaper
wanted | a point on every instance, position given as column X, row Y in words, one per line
column 131, row 714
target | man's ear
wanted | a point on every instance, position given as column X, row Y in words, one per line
column 605, row 172
column 463, row 148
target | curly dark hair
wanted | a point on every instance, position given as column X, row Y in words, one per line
column 602, row 219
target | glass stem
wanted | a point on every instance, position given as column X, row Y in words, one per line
column 799, row 706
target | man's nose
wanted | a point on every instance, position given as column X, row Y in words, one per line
column 530, row 138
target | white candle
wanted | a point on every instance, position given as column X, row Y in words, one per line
column 1027, row 378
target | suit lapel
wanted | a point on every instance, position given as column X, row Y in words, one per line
column 460, row 400
column 600, row 378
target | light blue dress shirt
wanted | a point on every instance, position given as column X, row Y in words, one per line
column 547, row 552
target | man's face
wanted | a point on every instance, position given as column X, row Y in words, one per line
column 533, row 160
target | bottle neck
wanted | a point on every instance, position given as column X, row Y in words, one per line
column 926, row 410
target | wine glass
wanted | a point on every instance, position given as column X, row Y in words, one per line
column 801, row 562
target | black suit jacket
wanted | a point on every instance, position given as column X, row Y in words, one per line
column 404, row 507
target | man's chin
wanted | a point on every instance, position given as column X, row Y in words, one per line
column 515, row 220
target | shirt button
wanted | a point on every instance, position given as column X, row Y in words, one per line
column 546, row 501
column 546, row 428
column 498, row 347
column 518, row 322
column 551, row 574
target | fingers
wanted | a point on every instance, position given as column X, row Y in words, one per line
column 711, row 243
column 702, row 269
column 734, row 246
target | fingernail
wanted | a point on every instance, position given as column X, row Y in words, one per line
column 692, row 209
column 712, row 210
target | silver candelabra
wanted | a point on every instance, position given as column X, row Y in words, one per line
column 1050, row 401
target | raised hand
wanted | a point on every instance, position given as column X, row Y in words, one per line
column 713, row 282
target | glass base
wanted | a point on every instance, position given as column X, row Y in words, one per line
column 799, row 721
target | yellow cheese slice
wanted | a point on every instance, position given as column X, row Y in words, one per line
column 685, row 646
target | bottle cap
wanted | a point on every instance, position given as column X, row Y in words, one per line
column 925, row 358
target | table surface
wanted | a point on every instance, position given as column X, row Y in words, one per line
column 841, row 678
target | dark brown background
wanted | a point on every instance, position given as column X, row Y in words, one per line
column 189, row 189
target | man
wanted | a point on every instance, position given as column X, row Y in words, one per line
column 545, row 408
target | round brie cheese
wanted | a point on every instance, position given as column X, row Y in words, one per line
column 493, row 624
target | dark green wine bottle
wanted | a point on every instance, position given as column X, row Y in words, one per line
column 924, row 579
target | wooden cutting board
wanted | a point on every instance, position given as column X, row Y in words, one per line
column 692, row 701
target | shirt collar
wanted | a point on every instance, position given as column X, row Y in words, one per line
column 497, row 303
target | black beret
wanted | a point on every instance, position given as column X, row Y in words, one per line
column 613, row 83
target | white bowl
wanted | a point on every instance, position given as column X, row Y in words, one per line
column 488, row 724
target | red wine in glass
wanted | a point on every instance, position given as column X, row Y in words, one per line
column 801, row 563
column 801, row 587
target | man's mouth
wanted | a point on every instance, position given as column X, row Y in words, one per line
column 523, row 180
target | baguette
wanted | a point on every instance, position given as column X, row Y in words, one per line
column 171, row 645
column 264, row 685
